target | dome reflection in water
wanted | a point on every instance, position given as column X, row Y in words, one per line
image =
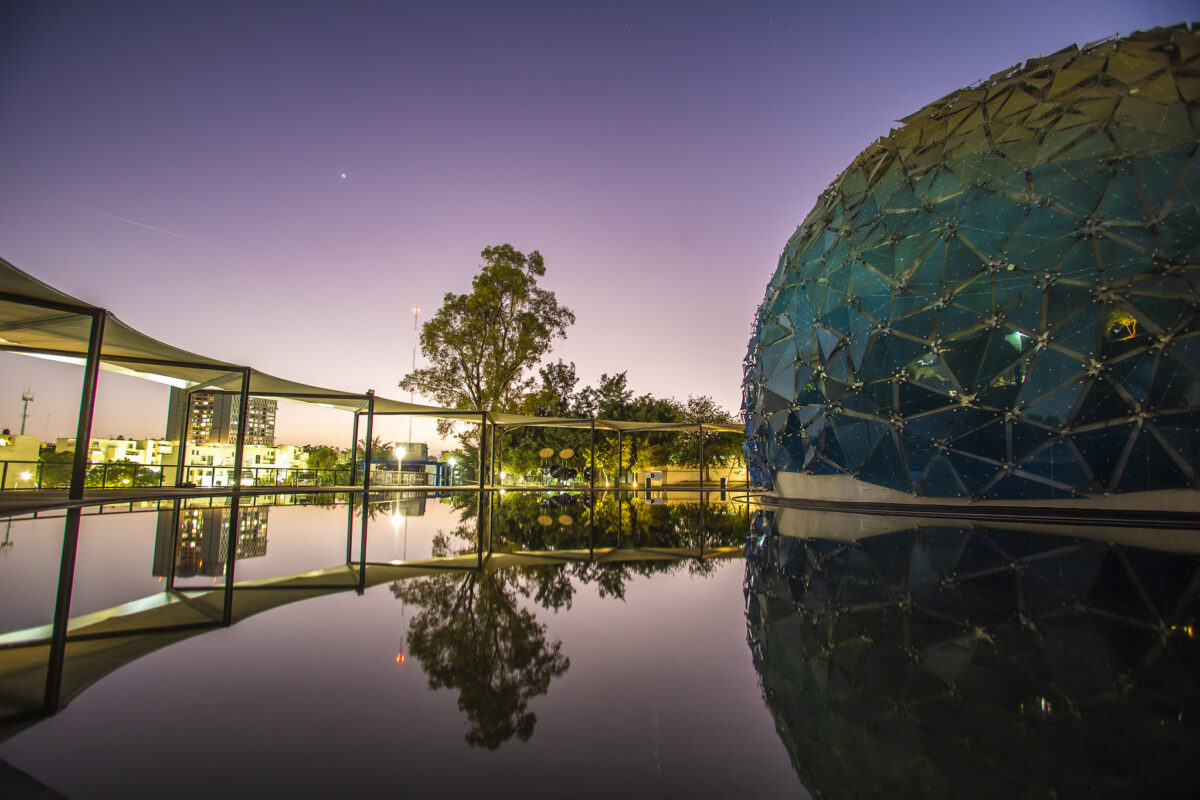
column 946, row 659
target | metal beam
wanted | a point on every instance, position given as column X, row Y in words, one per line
column 54, row 304
column 109, row 358
column 181, row 461
column 500, row 453
column 239, row 448
column 354, row 451
column 87, row 404
column 482, row 445
column 620, row 455
column 367, row 446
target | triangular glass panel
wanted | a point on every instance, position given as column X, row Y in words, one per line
column 1057, row 463
column 1025, row 312
column 915, row 400
column 1080, row 332
column 1134, row 375
column 1174, row 386
column 1156, row 175
column 1101, row 403
column 1102, row 448
column 885, row 467
column 1050, row 371
column 919, row 325
column 1150, row 466
column 939, row 480
column 988, row 440
column 973, row 473
column 1026, row 438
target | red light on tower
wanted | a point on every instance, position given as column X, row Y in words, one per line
column 399, row 658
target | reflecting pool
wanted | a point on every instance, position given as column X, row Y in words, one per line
column 528, row 643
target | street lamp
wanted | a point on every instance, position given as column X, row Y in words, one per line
column 453, row 462
column 400, row 453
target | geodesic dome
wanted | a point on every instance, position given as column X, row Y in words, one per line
column 999, row 299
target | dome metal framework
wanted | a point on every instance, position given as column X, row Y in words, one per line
column 1001, row 298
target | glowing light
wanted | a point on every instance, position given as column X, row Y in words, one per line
column 25, row 476
column 398, row 519
column 399, row 658
column 452, row 461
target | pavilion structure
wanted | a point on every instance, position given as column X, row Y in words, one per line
column 39, row 320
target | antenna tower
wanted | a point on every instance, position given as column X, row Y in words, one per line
column 26, row 399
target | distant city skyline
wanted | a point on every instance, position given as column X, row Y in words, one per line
column 278, row 184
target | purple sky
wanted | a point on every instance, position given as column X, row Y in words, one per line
column 181, row 164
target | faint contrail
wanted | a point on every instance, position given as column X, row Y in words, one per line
column 147, row 227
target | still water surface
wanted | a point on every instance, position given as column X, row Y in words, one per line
column 648, row 647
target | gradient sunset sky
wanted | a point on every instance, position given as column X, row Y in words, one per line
column 278, row 183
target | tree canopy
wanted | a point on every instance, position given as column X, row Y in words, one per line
column 481, row 346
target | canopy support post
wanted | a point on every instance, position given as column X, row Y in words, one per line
column 492, row 457
column 482, row 445
column 70, row 545
column 239, row 448
column 620, row 455
column 367, row 443
column 362, row 536
column 354, row 451
column 87, row 404
column 181, row 460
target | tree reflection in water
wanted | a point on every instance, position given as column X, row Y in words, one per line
column 471, row 632
column 471, row 635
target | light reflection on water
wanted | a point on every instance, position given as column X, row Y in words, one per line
column 603, row 647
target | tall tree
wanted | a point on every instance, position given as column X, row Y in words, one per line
column 380, row 451
column 723, row 451
column 481, row 346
